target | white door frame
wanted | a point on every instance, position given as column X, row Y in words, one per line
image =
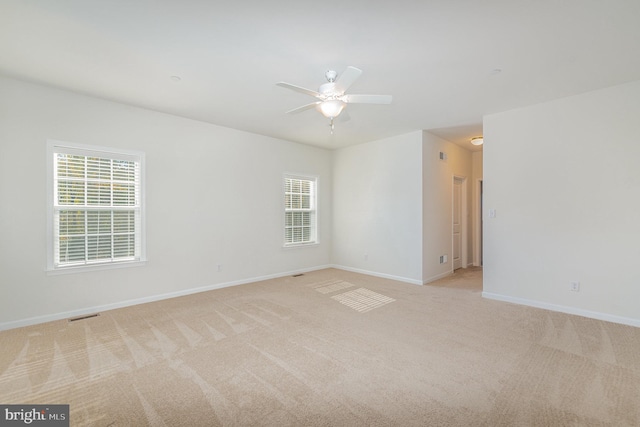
column 463, row 220
column 477, row 216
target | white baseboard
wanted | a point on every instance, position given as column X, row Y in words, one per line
column 376, row 274
column 437, row 277
column 100, row 308
column 564, row 309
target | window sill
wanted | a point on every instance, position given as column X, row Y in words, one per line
column 300, row 245
column 94, row 267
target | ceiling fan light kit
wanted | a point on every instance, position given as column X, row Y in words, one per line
column 331, row 108
column 332, row 97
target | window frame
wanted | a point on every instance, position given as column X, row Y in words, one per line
column 313, row 209
column 56, row 146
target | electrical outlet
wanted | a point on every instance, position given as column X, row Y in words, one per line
column 575, row 286
column 366, row 257
column 219, row 267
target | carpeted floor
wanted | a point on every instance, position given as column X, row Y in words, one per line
column 330, row 348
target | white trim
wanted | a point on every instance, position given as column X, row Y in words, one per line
column 437, row 277
column 300, row 245
column 564, row 309
column 315, row 210
column 101, row 308
column 83, row 149
column 86, row 268
column 477, row 229
column 376, row 274
column 464, row 238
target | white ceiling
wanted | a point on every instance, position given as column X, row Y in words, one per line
column 445, row 62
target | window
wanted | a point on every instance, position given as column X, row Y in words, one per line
column 95, row 206
column 299, row 210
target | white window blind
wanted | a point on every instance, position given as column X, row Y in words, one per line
column 97, row 207
column 300, row 210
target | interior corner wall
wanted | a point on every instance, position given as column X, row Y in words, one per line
column 564, row 181
column 437, row 199
column 213, row 197
column 377, row 208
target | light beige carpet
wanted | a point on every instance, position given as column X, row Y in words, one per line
column 330, row 348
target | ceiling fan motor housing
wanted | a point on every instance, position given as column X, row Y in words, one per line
column 328, row 90
column 331, row 76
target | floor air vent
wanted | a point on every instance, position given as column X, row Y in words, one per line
column 297, row 275
column 88, row 316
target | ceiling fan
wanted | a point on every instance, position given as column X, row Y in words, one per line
column 332, row 98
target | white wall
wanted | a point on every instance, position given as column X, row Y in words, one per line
column 437, row 208
column 377, row 207
column 564, row 178
column 213, row 197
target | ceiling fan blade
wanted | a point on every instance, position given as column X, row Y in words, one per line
column 303, row 108
column 346, row 79
column 367, row 99
column 299, row 89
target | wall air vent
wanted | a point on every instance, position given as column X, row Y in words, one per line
column 88, row 316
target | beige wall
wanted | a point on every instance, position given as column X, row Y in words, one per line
column 213, row 196
column 377, row 202
column 437, row 181
column 392, row 202
column 564, row 180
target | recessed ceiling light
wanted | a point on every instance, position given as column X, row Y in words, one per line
column 478, row 140
column 175, row 78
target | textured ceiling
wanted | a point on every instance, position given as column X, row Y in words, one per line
column 446, row 63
